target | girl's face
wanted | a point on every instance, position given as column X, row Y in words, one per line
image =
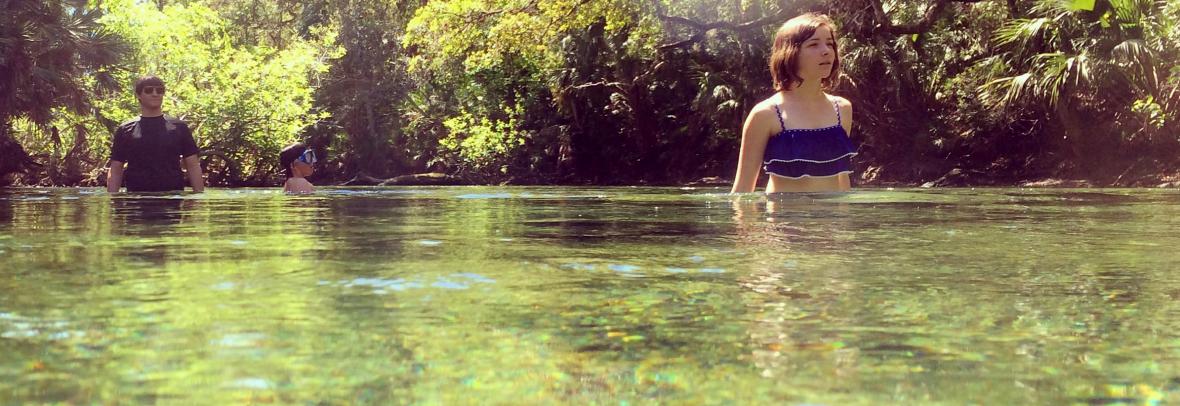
column 302, row 169
column 304, row 166
column 816, row 55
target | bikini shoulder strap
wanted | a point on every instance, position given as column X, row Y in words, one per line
column 778, row 113
column 836, row 104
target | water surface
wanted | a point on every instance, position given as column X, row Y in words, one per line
column 511, row 295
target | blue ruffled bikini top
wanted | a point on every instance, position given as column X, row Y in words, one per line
column 811, row 152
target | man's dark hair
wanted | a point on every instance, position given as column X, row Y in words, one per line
column 149, row 80
column 289, row 154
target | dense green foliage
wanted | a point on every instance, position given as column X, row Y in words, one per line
column 54, row 59
column 245, row 101
column 605, row 91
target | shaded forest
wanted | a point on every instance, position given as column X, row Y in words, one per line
column 945, row 92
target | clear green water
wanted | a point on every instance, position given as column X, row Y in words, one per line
column 590, row 296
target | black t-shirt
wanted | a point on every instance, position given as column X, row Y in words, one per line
column 152, row 148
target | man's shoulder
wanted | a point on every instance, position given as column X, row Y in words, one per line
column 174, row 123
column 129, row 123
column 167, row 119
column 173, row 120
column 127, row 126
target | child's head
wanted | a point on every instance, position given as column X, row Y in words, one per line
column 297, row 157
column 805, row 49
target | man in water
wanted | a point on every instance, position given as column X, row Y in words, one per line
column 153, row 146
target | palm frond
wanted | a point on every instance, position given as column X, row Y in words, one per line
column 1052, row 76
column 1053, row 7
column 1137, row 61
column 1081, row 67
column 1129, row 12
column 1008, row 90
column 1132, row 51
column 1026, row 34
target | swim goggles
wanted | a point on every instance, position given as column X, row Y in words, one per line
column 308, row 157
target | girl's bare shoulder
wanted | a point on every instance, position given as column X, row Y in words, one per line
column 298, row 185
column 842, row 102
column 769, row 103
column 766, row 109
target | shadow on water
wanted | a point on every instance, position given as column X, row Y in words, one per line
column 6, row 212
column 148, row 214
column 151, row 219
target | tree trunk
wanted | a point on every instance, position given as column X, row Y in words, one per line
column 54, row 170
column 13, row 157
column 72, row 162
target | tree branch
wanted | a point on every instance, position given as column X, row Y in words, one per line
column 702, row 28
column 885, row 25
column 616, row 85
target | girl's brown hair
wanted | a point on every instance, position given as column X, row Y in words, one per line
column 288, row 156
column 784, row 56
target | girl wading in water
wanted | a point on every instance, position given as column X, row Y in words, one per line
column 800, row 134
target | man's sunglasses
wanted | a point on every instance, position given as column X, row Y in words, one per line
column 308, row 157
column 153, row 90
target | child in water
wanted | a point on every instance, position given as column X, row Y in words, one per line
column 800, row 134
column 299, row 162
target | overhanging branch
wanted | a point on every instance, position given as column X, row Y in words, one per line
column 700, row 29
column 885, row 25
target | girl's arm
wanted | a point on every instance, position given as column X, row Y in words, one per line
column 846, row 116
column 754, row 135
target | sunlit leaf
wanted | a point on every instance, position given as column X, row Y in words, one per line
column 1087, row 5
